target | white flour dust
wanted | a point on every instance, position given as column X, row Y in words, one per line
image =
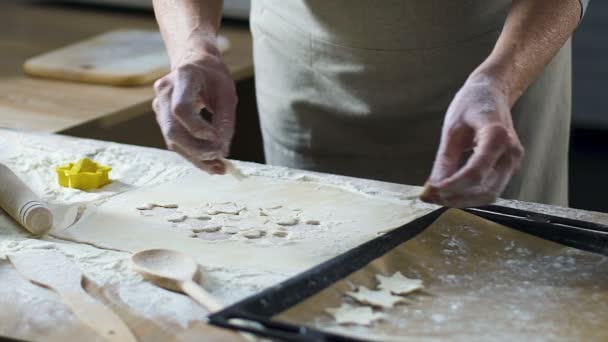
column 34, row 158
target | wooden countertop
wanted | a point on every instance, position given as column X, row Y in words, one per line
column 29, row 29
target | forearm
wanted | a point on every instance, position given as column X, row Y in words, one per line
column 534, row 32
column 187, row 25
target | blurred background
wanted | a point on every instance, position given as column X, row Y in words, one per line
column 33, row 27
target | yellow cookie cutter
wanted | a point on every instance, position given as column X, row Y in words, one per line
column 84, row 174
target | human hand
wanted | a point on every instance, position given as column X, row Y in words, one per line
column 478, row 119
column 198, row 81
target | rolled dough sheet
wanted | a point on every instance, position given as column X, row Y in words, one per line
column 347, row 219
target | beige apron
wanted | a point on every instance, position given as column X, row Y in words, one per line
column 360, row 89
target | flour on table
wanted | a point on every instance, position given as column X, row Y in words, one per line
column 350, row 314
column 398, row 284
column 229, row 208
column 382, row 299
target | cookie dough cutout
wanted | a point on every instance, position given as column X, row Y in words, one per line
column 254, row 233
column 380, row 299
column 398, row 284
column 175, row 218
column 359, row 315
column 228, row 208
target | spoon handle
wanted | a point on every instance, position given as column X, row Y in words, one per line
column 203, row 297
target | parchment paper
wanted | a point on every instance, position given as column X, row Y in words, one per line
column 484, row 282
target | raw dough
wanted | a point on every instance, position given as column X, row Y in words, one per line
column 207, row 229
column 198, row 214
column 176, row 218
column 150, row 206
column 287, row 221
column 147, row 206
column 350, row 314
column 279, row 233
column 281, row 215
column 254, row 233
column 398, row 284
column 113, row 222
column 382, row 299
column 230, row 230
column 229, row 208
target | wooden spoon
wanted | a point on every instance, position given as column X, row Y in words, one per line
column 174, row 271
column 51, row 269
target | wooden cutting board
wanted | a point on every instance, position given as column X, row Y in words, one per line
column 119, row 58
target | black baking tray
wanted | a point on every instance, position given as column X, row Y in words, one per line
column 254, row 314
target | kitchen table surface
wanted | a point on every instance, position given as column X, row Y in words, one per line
column 33, row 313
column 32, row 27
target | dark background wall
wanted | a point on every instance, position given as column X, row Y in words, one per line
column 589, row 147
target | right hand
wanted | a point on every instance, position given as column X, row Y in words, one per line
column 199, row 80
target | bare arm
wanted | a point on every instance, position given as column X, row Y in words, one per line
column 534, row 32
column 479, row 117
column 199, row 79
column 186, row 24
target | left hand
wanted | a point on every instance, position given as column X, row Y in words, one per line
column 478, row 119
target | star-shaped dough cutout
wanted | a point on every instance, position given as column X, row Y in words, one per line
column 350, row 314
column 398, row 284
column 382, row 299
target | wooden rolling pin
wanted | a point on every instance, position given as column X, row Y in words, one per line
column 22, row 204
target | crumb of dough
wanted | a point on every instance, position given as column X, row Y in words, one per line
column 199, row 214
column 399, row 284
column 147, row 206
column 359, row 315
column 208, row 229
column 287, row 221
column 150, row 206
column 228, row 208
column 313, row 222
column 381, row 299
column 168, row 205
column 279, row 233
column 176, row 218
column 230, row 230
column 254, row 233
